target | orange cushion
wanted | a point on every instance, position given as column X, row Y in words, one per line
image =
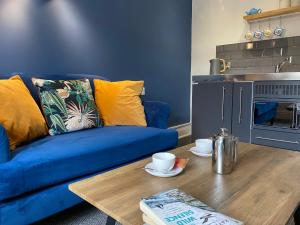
column 119, row 103
column 19, row 113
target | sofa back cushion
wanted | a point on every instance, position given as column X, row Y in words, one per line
column 119, row 103
column 26, row 77
column 68, row 105
column 19, row 113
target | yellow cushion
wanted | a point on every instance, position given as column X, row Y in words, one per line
column 119, row 103
column 19, row 113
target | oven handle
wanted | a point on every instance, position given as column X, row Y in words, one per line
column 278, row 140
column 296, row 118
column 293, row 121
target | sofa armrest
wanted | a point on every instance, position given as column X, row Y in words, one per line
column 4, row 146
column 157, row 114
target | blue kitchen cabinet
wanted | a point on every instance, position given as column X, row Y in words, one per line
column 219, row 104
column 211, row 108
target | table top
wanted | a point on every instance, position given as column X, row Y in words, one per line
column 263, row 189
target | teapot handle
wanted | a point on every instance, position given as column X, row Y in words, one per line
column 224, row 66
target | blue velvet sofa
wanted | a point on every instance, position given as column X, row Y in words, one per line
column 34, row 179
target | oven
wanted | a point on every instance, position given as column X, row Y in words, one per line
column 276, row 114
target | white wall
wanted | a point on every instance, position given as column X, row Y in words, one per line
column 218, row 22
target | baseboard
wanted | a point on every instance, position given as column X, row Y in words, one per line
column 184, row 130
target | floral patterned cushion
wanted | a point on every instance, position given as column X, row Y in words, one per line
column 68, row 105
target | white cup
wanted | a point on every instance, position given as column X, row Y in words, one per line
column 204, row 145
column 163, row 161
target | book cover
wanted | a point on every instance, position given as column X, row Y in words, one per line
column 147, row 220
column 175, row 207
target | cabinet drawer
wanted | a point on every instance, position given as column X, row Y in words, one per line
column 276, row 139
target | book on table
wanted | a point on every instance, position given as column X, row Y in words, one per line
column 147, row 220
column 175, row 207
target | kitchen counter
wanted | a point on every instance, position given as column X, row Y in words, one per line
column 257, row 108
column 249, row 77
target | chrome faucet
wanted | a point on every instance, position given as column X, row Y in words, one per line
column 279, row 66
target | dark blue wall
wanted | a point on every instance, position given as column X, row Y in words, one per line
column 119, row 39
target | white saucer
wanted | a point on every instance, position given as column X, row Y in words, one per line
column 150, row 169
column 195, row 151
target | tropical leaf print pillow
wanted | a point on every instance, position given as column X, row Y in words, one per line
column 68, row 105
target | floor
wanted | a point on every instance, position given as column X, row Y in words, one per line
column 83, row 214
column 86, row 214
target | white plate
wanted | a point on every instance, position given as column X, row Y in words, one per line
column 195, row 151
column 150, row 169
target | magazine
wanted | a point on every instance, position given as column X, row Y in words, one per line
column 175, row 207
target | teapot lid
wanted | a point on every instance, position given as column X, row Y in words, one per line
column 223, row 132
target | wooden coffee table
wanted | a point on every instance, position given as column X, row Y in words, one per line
column 263, row 189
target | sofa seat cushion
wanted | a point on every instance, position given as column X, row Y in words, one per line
column 56, row 159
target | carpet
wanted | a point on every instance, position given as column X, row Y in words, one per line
column 83, row 214
column 86, row 214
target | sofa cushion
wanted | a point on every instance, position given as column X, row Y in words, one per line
column 27, row 78
column 19, row 113
column 119, row 102
column 68, row 105
column 56, row 159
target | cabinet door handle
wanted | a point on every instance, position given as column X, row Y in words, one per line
column 241, row 107
column 278, row 140
column 293, row 120
column 195, row 83
column 295, row 117
column 223, row 101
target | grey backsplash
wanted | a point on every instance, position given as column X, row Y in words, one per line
column 264, row 56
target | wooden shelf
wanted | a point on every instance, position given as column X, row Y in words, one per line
column 273, row 13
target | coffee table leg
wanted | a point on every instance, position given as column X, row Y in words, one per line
column 110, row 221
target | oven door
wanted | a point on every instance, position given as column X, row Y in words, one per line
column 276, row 114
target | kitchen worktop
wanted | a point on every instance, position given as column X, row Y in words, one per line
column 233, row 101
column 248, row 77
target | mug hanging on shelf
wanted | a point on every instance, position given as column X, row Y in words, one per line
column 249, row 34
column 268, row 32
column 279, row 31
column 258, row 34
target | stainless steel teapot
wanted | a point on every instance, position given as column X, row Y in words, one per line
column 224, row 156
